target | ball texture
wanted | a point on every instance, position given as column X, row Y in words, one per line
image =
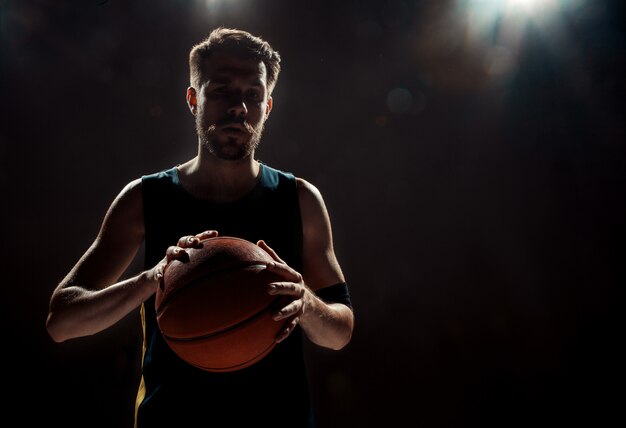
column 213, row 307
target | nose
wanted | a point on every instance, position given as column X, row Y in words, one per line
column 238, row 108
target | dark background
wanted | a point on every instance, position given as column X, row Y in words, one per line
column 474, row 176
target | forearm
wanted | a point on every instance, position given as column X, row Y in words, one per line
column 327, row 325
column 76, row 311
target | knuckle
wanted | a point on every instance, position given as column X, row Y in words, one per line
column 185, row 240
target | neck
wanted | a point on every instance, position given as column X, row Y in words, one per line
column 210, row 178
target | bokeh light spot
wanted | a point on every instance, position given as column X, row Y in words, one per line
column 399, row 100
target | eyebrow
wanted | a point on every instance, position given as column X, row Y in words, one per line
column 225, row 75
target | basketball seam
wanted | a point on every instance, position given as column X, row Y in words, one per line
column 224, row 330
column 249, row 362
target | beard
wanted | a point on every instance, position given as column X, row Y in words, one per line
column 227, row 147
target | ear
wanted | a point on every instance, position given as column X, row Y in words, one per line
column 192, row 102
column 268, row 106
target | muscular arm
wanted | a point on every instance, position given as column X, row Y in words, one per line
column 326, row 324
column 89, row 299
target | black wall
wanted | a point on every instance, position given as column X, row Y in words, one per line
column 475, row 185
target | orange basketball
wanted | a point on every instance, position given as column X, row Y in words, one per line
column 213, row 308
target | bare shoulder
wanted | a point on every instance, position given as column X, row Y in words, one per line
column 131, row 191
column 305, row 185
column 310, row 197
column 321, row 267
column 125, row 213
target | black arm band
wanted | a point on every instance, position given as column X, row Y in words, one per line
column 337, row 293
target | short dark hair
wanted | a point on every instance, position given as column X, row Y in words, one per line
column 238, row 42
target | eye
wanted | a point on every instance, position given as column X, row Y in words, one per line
column 220, row 90
column 253, row 95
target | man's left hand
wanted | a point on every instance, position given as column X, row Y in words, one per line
column 293, row 285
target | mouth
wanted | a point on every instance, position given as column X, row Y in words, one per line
column 235, row 129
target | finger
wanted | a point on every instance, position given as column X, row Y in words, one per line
column 292, row 308
column 175, row 253
column 271, row 252
column 159, row 269
column 193, row 241
column 284, row 271
column 169, row 253
column 206, row 234
column 285, row 288
column 285, row 332
column 188, row 241
column 159, row 272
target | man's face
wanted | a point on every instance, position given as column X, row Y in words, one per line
column 232, row 106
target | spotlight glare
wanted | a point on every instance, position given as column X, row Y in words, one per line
column 531, row 6
column 495, row 29
column 524, row 3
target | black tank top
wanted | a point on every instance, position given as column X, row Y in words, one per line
column 272, row 392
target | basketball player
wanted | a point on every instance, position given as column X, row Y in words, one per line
column 223, row 189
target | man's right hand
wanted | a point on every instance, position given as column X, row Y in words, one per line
column 178, row 251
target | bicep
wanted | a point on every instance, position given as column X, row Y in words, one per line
column 320, row 265
column 117, row 243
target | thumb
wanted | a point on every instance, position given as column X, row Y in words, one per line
column 271, row 252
